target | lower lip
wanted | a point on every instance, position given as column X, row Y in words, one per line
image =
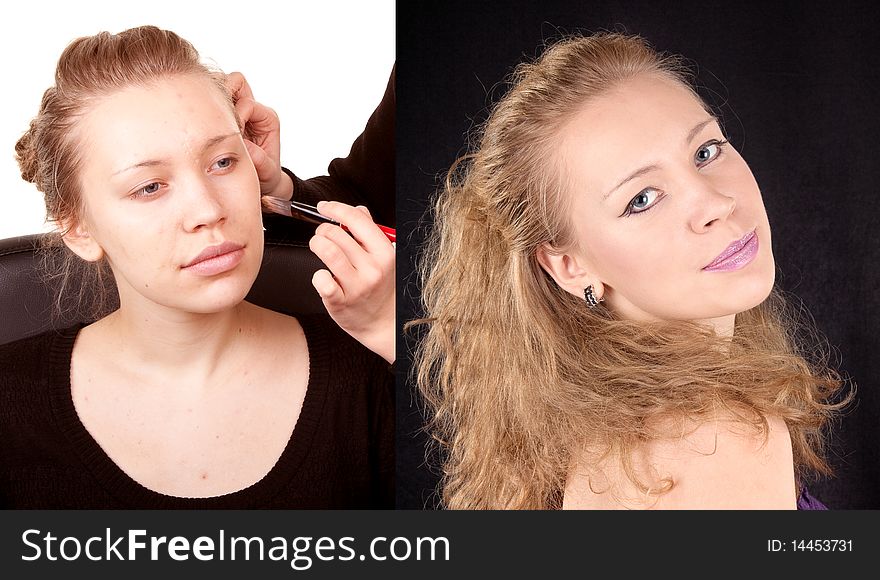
column 739, row 260
column 217, row 264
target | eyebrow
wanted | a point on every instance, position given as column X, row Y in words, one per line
column 155, row 162
column 648, row 168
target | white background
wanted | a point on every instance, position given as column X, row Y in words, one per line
column 321, row 64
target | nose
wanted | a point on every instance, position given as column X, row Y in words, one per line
column 711, row 207
column 202, row 205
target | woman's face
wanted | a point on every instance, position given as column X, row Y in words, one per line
column 171, row 196
column 667, row 219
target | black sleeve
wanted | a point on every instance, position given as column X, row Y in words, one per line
column 366, row 176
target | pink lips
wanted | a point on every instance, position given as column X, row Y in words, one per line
column 735, row 256
column 217, row 259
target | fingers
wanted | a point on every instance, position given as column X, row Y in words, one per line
column 261, row 129
column 261, row 124
column 258, row 156
column 268, row 170
column 244, row 109
column 369, row 319
column 329, row 291
column 359, row 223
column 358, row 286
column 361, row 263
column 238, row 86
column 329, row 250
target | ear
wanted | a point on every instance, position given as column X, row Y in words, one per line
column 569, row 271
column 81, row 243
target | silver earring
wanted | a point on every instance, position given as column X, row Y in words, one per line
column 590, row 298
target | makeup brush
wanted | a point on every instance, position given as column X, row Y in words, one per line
column 309, row 213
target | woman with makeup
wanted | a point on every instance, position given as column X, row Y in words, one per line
column 602, row 326
column 184, row 396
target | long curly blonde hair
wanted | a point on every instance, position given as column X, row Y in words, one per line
column 518, row 375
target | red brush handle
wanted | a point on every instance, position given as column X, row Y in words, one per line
column 390, row 233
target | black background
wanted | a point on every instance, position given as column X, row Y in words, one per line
column 796, row 84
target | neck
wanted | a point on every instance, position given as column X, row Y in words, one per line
column 197, row 348
column 723, row 325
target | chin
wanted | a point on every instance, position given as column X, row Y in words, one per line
column 220, row 295
column 747, row 288
column 762, row 284
column 742, row 297
column 757, row 291
column 214, row 304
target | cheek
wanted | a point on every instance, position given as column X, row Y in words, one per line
column 243, row 194
column 245, row 213
column 133, row 241
column 629, row 258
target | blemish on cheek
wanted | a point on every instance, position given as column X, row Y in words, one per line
column 204, row 476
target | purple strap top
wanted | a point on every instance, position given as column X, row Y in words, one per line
column 805, row 501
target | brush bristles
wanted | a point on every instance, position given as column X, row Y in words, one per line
column 276, row 205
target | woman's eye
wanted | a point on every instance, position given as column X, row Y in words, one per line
column 148, row 190
column 708, row 152
column 644, row 201
column 225, row 163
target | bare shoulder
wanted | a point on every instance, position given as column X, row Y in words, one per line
column 720, row 463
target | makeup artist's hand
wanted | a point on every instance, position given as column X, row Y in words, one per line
column 358, row 287
column 262, row 132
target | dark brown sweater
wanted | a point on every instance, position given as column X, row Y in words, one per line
column 341, row 453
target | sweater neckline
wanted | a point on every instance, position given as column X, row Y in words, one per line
column 132, row 494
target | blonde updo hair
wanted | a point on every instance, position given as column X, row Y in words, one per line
column 521, row 379
column 48, row 153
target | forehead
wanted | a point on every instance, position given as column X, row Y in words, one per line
column 162, row 118
column 634, row 124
